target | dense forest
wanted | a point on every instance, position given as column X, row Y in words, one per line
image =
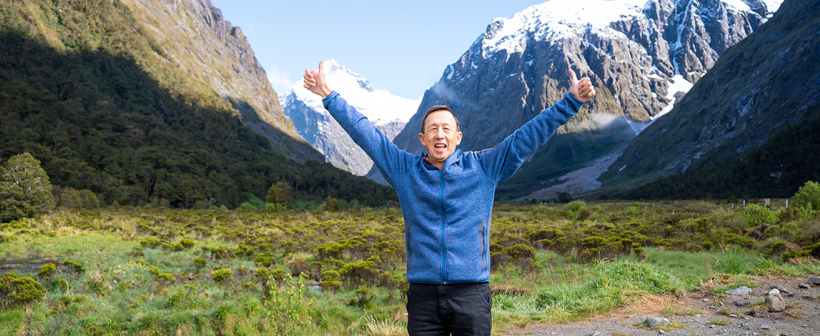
column 90, row 95
column 778, row 168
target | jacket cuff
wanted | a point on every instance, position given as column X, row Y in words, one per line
column 573, row 102
column 326, row 100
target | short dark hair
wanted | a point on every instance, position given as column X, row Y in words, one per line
column 437, row 108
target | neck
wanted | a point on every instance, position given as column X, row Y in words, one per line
column 437, row 164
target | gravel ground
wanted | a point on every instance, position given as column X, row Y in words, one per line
column 705, row 314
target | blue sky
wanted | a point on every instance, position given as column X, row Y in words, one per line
column 402, row 47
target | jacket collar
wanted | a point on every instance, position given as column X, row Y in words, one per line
column 453, row 158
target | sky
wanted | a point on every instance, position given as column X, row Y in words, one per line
column 400, row 46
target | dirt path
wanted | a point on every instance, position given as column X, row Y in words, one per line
column 700, row 314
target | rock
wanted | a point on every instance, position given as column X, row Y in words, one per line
column 705, row 300
column 596, row 333
column 781, row 289
column 775, row 301
column 742, row 290
column 774, row 291
column 814, row 281
column 316, row 288
column 661, row 332
column 655, row 321
column 721, row 303
column 764, row 327
column 804, row 286
column 732, row 315
column 742, row 302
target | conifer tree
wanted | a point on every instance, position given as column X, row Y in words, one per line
column 25, row 189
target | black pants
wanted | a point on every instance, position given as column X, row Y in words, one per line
column 457, row 309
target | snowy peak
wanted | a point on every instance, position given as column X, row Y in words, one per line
column 557, row 19
column 387, row 111
column 380, row 106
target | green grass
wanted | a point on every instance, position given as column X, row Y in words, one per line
column 170, row 288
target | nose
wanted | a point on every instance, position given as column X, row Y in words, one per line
column 440, row 134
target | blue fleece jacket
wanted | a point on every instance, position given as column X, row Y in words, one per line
column 447, row 211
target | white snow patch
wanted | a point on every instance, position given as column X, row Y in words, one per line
column 380, row 106
column 556, row 19
column 676, row 84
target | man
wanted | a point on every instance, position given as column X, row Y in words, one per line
column 446, row 198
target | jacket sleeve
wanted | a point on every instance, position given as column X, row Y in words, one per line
column 503, row 160
column 385, row 155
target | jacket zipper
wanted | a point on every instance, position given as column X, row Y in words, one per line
column 443, row 251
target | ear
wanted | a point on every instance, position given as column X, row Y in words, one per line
column 421, row 138
column 458, row 138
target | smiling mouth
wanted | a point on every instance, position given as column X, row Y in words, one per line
column 440, row 146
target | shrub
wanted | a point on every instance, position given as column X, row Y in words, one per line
column 222, row 275
column 262, row 273
column 364, row 296
column 47, row 270
column 25, row 190
column 186, row 243
column 519, row 252
column 200, row 263
column 16, row 291
column 166, row 277
column 73, row 266
column 808, row 196
column 755, row 215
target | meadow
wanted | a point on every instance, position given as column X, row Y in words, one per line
column 119, row 270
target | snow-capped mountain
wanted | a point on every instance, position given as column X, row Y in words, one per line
column 387, row 111
column 641, row 55
column 726, row 136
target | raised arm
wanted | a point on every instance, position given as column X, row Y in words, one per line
column 501, row 162
column 385, row 155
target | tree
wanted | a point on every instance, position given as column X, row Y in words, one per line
column 808, row 196
column 25, row 190
column 280, row 193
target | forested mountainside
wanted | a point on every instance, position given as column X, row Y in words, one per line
column 641, row 55
column 87, row 90
column 197, row 40
column 748, row 128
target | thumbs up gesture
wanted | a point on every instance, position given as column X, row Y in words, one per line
column 315, row 81
column 581, row 89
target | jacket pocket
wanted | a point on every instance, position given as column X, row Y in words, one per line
column 409, row 247
column 483, row 229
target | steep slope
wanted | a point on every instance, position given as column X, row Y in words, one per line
column 641, row 56
column 763, row 85
column 388, row 112
column 194, row 37
column 93, row 96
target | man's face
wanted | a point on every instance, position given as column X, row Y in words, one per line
column 440, row 137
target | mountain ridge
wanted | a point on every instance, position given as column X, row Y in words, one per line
column 658, row 42
column 387, row 112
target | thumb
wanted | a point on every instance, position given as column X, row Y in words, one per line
column 572, row 78
column 322, row 67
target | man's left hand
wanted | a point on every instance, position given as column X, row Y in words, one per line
column 581, row 89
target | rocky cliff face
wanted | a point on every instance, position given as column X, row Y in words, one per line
column 765, row 83
column 388, row 112
column 194, row 35
column 641, row 56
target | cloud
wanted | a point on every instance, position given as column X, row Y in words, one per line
column 279, row 80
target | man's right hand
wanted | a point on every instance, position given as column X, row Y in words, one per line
column 315, row 81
